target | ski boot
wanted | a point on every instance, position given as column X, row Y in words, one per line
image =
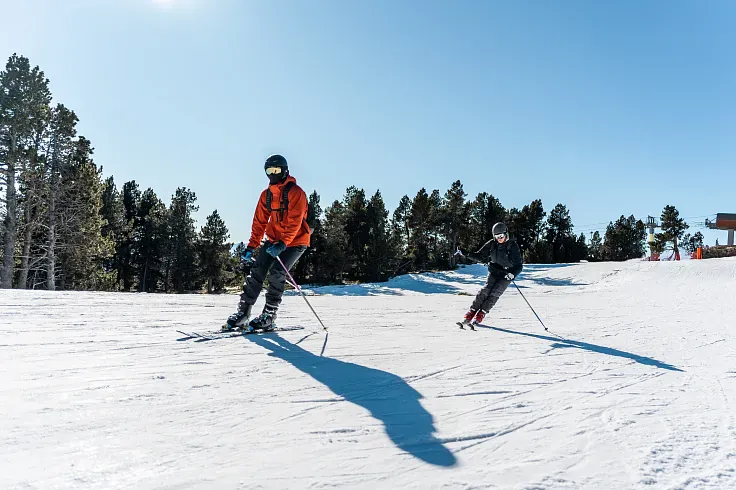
column 265, row 322
column 238, row 320
column 468, row 320
column 479, row 317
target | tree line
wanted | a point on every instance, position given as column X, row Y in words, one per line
column 357, row 239
column 66, row 226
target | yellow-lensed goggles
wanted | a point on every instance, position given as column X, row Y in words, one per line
column 273, row 170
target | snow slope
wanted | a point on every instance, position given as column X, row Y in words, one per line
column 98, row 391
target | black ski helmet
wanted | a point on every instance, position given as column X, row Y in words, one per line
column 499, row 228
column 276, row 161
column 279, row 162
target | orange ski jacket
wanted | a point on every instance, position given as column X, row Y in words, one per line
column 289, row 226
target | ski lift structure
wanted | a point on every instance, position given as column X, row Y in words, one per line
column 724, row 221
column 652, row 225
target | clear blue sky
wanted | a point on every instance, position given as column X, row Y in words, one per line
column 609, row 107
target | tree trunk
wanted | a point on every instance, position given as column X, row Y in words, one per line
column 30, row 227
column 51, row 253
column 6, row 276
column 143, row 285
column 25, row 259
column 453, row 249
column 127, row 280
column 31, row 214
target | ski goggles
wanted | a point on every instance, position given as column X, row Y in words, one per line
column 499, row 236
column 273, row 170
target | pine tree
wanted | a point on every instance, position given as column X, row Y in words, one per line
column 62, row 151
column 307, row 269
column 539, row 252
column 151, row 239
column 183, row 266
column 401, row 219
column 420, row 229
column 595, row 248
column 336, row 257
column 356, row 227
column 559, row 232
column 378, row 247
column 234, row 273
column 673, row 228
column 528, row 225
column 214, row 251
column 114, row 225
column 692, row 242
column 581, row 251
column 454, row 219
column 83, row 249
column 624, row 239
column 517, row 224
column 33, row 187
column 24, row 100
column 126, row 248
column 438, row 254
column 397, row 249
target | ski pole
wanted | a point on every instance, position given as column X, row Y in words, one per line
column 300, row 290
column 530, row 306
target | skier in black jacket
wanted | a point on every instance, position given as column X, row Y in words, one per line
column 504, row 263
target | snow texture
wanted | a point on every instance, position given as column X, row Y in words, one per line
column 99, row 391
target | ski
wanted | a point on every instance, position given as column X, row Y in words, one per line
column 462, row 325
column 234, row 333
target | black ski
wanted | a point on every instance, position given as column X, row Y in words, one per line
column 234, row 333
column 462, row 325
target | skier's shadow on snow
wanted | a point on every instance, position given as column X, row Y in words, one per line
column 560, row 343
column 386, row 396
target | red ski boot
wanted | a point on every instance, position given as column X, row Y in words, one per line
column 479, row 317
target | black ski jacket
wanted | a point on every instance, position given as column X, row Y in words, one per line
column 502, row 257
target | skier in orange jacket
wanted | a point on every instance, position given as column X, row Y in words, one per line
column 281, row 214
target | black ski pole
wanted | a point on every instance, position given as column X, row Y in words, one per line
column 530, row 306
column 300, row 290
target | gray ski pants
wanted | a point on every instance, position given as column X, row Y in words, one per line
column 488, row 296
column 266, row 265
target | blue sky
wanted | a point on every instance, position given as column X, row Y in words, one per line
column 609, row 107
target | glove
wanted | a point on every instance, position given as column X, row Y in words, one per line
column 247, row 256
column 247, row 259
column 275, row 249
column 510, row 276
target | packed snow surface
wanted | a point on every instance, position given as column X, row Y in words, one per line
column 99, row 391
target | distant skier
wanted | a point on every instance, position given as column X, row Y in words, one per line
column 504, row 263
column 281, row 214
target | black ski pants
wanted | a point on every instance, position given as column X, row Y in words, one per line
column 488, row 296
column 265, row 265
